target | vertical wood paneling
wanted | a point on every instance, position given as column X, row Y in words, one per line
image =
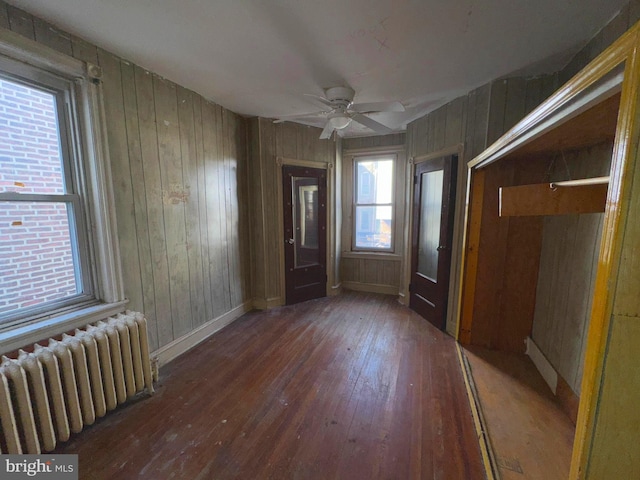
column 201, row 168
column 46, row 34
column 4, row 16
column 84, row 51
column 568, row 263
column 21, row 22
column 139, row 198
column 173, row 203
column 192, row 210
column 122, row 186
column 155, row 214
column 216, row 226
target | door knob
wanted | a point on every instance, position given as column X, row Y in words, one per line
column 441, row 247
column 291, row 241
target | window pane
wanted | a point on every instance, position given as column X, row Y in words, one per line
column 36, row 255
column 374, row 181
column 305, row 221
column 430, row 214
column 373, row 227
column 30, row 159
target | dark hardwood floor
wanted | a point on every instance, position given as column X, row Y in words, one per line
column 349, row 387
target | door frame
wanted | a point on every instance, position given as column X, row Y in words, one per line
column 330, row 230
column 454, row 301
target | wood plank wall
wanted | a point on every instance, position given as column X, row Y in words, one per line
column 267, row 142
column 625, row 19
column 179, row 168
column 361, row 272
column 568, row 263
column 474, row 121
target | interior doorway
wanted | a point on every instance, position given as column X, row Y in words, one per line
column 305, row 232
column 433, row 209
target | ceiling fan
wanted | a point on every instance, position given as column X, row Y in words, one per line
column 338, row 108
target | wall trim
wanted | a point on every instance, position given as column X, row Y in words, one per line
column 370, row 287
column 457, row 149
column 267, row 303
column 542, row 364
column 373, row 150
column 180, row 345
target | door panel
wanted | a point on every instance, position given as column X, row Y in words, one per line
column 305, row 219
column 433, row 207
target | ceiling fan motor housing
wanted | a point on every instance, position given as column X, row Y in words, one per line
column 340, row 95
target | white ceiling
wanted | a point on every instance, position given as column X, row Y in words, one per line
column 258, row 57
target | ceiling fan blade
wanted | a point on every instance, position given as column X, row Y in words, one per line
column 377, row 107
column 322, row 102
column 370, row 123
column 284, row 118
column 326, row 132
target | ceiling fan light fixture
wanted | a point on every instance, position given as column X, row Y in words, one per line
column 339, row 121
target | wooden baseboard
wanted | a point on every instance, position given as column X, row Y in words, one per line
column 486, row 450
column 370, row 287
column 542, row 364
column 567, row 399
column 335, row 290
column 267, row 303
column 180, row 345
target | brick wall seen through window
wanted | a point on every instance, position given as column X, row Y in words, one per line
column 36, row 261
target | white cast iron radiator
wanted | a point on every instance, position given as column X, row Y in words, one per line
column 59, row 388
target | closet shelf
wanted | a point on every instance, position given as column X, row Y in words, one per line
column 587, row 195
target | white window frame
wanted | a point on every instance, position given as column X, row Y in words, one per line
column 102, row 263
column 354, row 204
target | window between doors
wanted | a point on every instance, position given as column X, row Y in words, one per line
column 373, row 195
column 58, row 252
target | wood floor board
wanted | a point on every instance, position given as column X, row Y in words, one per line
column 348, row 387
column 531, row 435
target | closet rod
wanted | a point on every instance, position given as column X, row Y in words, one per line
column 582, row 181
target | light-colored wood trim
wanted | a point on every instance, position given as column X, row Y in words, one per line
column 180, row 345
column 463, row 254
column 17, row 46
column 544, row 199
column 391, row 257
column 370, row 287
column 624, row 155
column 486, row 450
column 30, row 333
column 354, row 152
column 328, row 166
column 474, row 219
column 598, row 68
column 103, row 212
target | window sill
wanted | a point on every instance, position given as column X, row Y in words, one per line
column 373, row 256
column 25, row 335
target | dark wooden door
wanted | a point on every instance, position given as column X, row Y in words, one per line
column 433, row 207
column 305, row 233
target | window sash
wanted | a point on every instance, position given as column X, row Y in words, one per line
column 356, row 204
column 68, row 119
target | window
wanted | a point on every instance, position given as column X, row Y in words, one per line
column 373, row 204
column 54, row 183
